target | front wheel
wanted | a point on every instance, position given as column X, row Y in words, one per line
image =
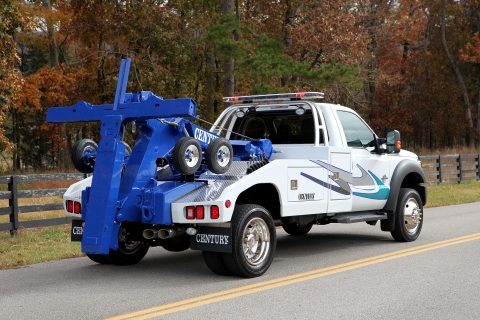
column 408, row 216
column 253, row 241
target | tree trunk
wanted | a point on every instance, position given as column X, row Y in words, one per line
column 62, row 128
column 210, row 80
column 456, row 70
column 228, row 65
column 372, row 51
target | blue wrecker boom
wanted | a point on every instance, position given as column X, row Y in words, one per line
column 124, row 190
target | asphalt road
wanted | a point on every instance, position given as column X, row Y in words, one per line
column 335, row 272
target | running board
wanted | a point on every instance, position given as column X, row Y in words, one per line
column 349, row 217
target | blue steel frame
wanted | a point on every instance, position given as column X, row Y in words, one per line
column 128, row 191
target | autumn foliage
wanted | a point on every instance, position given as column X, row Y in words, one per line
column 392, row 61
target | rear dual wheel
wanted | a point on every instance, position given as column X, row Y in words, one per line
column 253, row 244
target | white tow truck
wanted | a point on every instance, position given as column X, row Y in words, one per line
column 326, row 166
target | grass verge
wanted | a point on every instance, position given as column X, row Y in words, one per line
column 52, row 243
column 36, row 245
column 451, row 193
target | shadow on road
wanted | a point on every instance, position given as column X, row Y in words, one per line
column 180, row 268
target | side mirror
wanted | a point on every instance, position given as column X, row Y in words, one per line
column 394, row 144
column 381, row 145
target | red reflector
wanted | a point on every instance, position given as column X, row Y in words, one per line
column 228, row 203
column 190, row 212
column 70, row 206
column 77, row 207
column 214, row 212
column 200, row 212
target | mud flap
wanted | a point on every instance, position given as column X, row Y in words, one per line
column 388, row 224
column 76, row 232
column 212, row 239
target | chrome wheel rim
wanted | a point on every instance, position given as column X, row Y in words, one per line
column 412, row 216
column 192, row 156
column 223, row 156
column 256, row 241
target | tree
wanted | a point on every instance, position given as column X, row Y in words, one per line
column 11, row 81
column 459, row 76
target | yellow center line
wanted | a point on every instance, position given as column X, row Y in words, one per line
column 283, row 281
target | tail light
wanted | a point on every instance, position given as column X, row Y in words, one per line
column 77, row 207
column 200, row 212
column 190, row 212
column 214, row 212
column 70, row 206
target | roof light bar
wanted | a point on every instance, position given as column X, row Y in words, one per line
column 276, row 97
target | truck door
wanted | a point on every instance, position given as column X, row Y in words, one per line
column 370, row 170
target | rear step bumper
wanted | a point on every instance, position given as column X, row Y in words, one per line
column 349, row 217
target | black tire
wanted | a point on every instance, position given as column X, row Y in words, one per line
column 176, row 244
column 184, row 148
column 246, row 219
column 219, row 155
column 295, row 230
column 99, row 258
column 128, row 253
column 78, row 151
column 408, row 216
column 215, row 263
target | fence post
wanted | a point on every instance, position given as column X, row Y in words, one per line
column 439, row 169
column 478, row 166
column 460, row 169
column 13, row 203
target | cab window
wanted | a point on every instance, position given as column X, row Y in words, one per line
column 357, row 133
column 282, row 126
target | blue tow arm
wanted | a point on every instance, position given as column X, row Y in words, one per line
column 129, row 191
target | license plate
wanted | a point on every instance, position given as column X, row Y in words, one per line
column 212, row 239
column 77, row 230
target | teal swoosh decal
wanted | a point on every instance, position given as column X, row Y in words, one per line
column 381, row 194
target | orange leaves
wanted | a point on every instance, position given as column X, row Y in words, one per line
column 46, row 88
column 471, row 52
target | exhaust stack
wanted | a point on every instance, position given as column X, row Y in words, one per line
column 171, row 232
column 150, row 233
column 163, row 233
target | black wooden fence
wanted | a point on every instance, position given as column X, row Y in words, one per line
column 13, row 194
column 451, row 168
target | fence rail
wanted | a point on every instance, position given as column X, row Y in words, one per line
column 451, row 168
column 13, row 194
